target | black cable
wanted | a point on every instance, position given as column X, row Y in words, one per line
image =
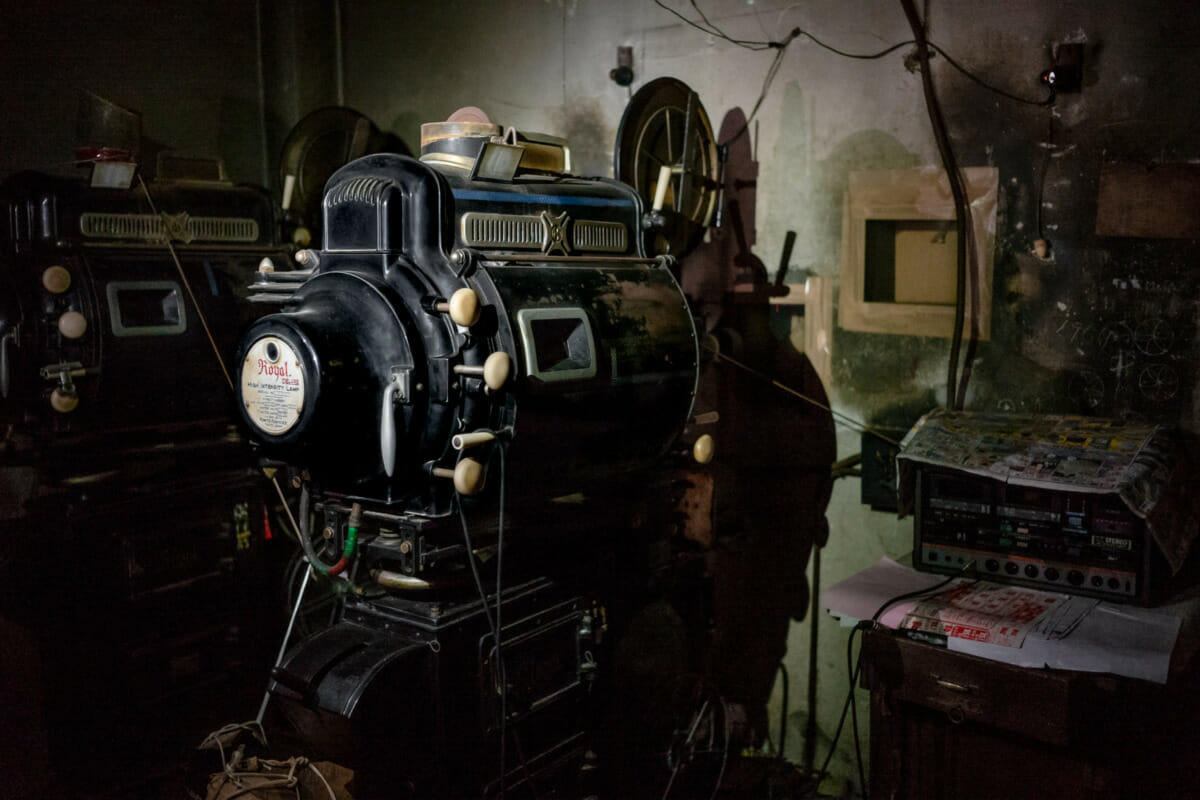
column 973, row 338
column 859, row 56
column 494, row 622
column 783, row 711
column 957, row 189
column 745, row 43
column 858, row 759
column 499, row 629
column 857, row 663
column 1047, row 101
column 770, row 77
column 748, row 44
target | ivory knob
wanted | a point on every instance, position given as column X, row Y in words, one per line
column 62, row 402
column 468, row 477
column 72, row 324
column 461, row 441
column 703, row 449
column 496, row 369
column 56, row 279
column 463, row 307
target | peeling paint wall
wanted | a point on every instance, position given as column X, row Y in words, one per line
column 1107, row 327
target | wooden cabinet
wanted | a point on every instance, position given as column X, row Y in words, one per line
column 948, row 725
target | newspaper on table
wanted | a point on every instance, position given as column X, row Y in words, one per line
column 989, row 613
column 1139, row 462
column 1075, row 633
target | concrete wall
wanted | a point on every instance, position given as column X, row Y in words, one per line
column 1068, row 334
column 544, row 64
column 192, row 70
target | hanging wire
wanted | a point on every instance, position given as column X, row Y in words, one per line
column 711, row 29
column 843, row 418
column 187, row 286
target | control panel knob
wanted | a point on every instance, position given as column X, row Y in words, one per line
column 462, row 441
column 464, row 308
column 72, row 324
column 63, row 402
column 56, row 279
column 495, row 370
column 467, row 476
column 1075, row 577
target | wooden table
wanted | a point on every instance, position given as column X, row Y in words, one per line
column 949, row 725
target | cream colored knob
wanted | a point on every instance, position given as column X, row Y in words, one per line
column 56, row 279
column 496, row 369
column 463, row 307
column 461, row 441
column 62, row 402
column 703, row 449
column 72, row 324
column 468, row 477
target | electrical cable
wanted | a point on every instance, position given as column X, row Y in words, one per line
column 770, row 77
column 783, row 710
column 839, row 416
column 186, row 285
column 962, row 214
column 494, row 621
column 858, row 759
column 499, row 628
column 857, row 663
column 758, row 45
column 1047, row 101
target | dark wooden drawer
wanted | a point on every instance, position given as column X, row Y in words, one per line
column 1029, row 702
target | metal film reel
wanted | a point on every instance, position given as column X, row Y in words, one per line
column 665, row 133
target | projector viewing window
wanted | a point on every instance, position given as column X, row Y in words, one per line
column 558, row 344
column 899, row 251
column 146, row 308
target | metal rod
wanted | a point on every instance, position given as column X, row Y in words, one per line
column 262, row 709
column 810, row 725
column 510, row 258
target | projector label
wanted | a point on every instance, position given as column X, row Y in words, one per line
column 272, row 385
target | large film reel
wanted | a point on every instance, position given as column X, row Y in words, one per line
column 316, row 147
column 665, row 132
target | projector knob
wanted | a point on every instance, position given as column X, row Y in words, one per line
column 467, row 475
column 495, row 370
column 72, row 324
column 56, row 279
column 462, row 441
column 63, row 402
column 463, row 307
